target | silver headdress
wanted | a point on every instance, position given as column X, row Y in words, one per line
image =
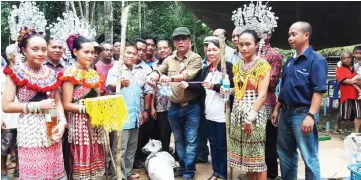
column 256, row 17
column 23, row 21
column 70, row 25
column 27, row 15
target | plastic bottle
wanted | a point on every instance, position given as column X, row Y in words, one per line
column 226, row 87
column 327, row 127
column 50, row 118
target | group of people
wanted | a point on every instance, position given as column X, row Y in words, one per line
column 55, row 139
column 348, row 76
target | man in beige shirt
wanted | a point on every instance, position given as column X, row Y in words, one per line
column 184, row 113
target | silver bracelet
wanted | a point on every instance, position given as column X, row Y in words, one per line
column 80, row 108
column 25, row 110
column 31, row 107
column 37, row 105
column 252, row 115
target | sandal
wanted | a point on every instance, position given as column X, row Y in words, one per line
column 133, row 176
column 212, row 177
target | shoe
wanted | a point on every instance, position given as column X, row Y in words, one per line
column 13, row 159
column 178, row 172
column 138, row 164
column 4, row 177
column 276, row 178
column 16, row 173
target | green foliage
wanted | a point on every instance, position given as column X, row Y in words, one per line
column 286, row 53
column 336, row 51
column 158, row 19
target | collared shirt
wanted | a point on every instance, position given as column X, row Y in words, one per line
column 274, row 58
column 230, row 55
column 60, row 67
column 347, row 90
column 151, row 62
column 132, row 94
column 188, row 67
column 143, row 70
column 302, row 76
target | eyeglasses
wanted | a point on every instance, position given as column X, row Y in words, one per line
column 162, row 48
column 181, row 38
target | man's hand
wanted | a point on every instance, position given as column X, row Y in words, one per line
column 125, row 82
column 145, row 116
column 184, row 85
column 274, row 118
column 307, row 125
column 150, row 80
column 165, row 78
column 248, row 128
column 153, row 113
column 141, row 119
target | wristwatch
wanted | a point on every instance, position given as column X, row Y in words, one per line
column 311, row 115
column 147, row 110
column 172, row 79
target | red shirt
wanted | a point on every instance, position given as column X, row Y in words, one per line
column 347, row 90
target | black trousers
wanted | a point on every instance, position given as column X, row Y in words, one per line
column 145, row 132
column 271, row 150
column 67, row 156
column 161, row 130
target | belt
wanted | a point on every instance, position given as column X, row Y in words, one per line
column 284, row 106
column 185, row 104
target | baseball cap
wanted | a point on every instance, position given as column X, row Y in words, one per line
column 181, row 31
column 208, row 38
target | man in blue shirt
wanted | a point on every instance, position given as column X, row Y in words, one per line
column 304, row 81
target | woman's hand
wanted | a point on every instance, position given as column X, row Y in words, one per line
column 208, row 85
column 248, row 128
column 47, row 104
column 184, row 85
column 58, row 132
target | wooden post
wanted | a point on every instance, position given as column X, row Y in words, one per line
column 124, row 22
column 222, row 45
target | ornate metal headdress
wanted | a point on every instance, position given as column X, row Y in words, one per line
column 70, row 25
column 257, row 17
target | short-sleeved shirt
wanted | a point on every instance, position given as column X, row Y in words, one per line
column 188, row 67
column 151, row 62
column 162, row 102
column 104, row 68
column 302, row 76
column 132, row 95
column 347, row 90
column 60, row 67
column 274, row 58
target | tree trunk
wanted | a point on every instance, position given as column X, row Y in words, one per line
column 73, row 7
column 92, row 15
column 81, row 10
column 108, row 25
column 87, row 18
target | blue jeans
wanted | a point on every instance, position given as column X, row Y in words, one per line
column 216, row 132
column 290, row 137
column 184, row 122
column 203, row 150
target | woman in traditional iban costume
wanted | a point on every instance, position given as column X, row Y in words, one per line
column 36, row 87
column 81, row 82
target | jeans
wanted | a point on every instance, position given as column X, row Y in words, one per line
column 203, row 151
column 184, row 122
column 290, row 137
column 216, row 132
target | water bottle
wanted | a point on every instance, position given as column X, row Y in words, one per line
column 227, row 88
column 327, row 127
